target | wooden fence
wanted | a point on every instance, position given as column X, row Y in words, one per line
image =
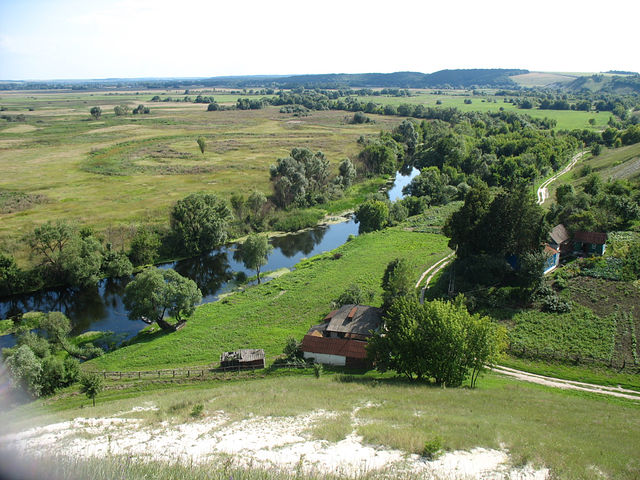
column 191, row 372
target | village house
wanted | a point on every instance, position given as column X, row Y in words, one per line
column 589, row 243
column 560, row 240
column 342, row 336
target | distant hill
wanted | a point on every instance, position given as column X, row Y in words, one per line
column 606, row 84
column 462, row 78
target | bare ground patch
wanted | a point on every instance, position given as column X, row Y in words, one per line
column 281, row 442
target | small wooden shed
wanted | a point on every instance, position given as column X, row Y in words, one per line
column 243, row 359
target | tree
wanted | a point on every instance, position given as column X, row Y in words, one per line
column 347, row 173
column 25, row 369
column 462, row 226
column 81, row 261
column 254, row 252
column 120, row 110
column 141, row 109
column 144, row 247
column 155, row 293
column 91, row 385
column 379, row 159
column 11, row 277
column 95, row 112
column 199, row 222
column 300, row 179
column 354, row 295
column 116, row 264
column 438, row 340
column 47, row 242
column 201, row 144
column 213, row 106
column 397, row 282
column 372, row 215
column 431, row 184
column 511, row 224
column 256, row 204
column 596, row 149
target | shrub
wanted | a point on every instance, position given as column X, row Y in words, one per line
column 197, row 410
column 292, row 350
column 432, row 448
column 354, row 294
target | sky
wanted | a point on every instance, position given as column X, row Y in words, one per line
column 63, row 39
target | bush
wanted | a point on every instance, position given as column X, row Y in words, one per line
column 292, row 350
column 354, row 294
column 432, row 448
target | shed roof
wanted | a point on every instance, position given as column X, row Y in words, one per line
column 559, row 234
column 245, row 355
column 591, row 237
column 334, row 346
column 355, row 319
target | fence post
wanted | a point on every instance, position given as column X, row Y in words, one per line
column 105, row 375
column 174, row 374
column 120, row 375
column 187, row 373
column 139, row 375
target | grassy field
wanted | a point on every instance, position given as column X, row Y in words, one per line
column 567, row 119
column 265, row 316
column 118, row 171
column 575, row 435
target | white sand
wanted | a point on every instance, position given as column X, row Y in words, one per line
column 283, row 442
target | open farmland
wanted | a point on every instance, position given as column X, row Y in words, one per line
column 567, row 119
column 120, row 170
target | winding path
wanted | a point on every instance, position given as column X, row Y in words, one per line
column 543, row 192
column 435, row 268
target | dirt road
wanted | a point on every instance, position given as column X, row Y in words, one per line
column 543, row 192
column 568, row 384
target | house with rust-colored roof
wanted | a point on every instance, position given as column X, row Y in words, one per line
column 342, row 337
column 589, row 243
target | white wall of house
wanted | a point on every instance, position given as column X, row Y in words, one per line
column 326, row 358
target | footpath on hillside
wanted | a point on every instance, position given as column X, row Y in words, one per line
column 543, row 191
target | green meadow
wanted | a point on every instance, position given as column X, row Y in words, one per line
column 114, row 172
column 567, row 119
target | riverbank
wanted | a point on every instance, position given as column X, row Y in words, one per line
column 264, row 316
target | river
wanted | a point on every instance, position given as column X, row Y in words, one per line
column 101, row 307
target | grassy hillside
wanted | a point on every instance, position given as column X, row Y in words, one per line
column 575, row 435
column 265, row 316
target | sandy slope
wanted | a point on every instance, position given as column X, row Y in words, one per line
column 281, row 442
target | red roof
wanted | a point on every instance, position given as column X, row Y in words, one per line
column 334, row 346
column 550, row 250
column 591, row 237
